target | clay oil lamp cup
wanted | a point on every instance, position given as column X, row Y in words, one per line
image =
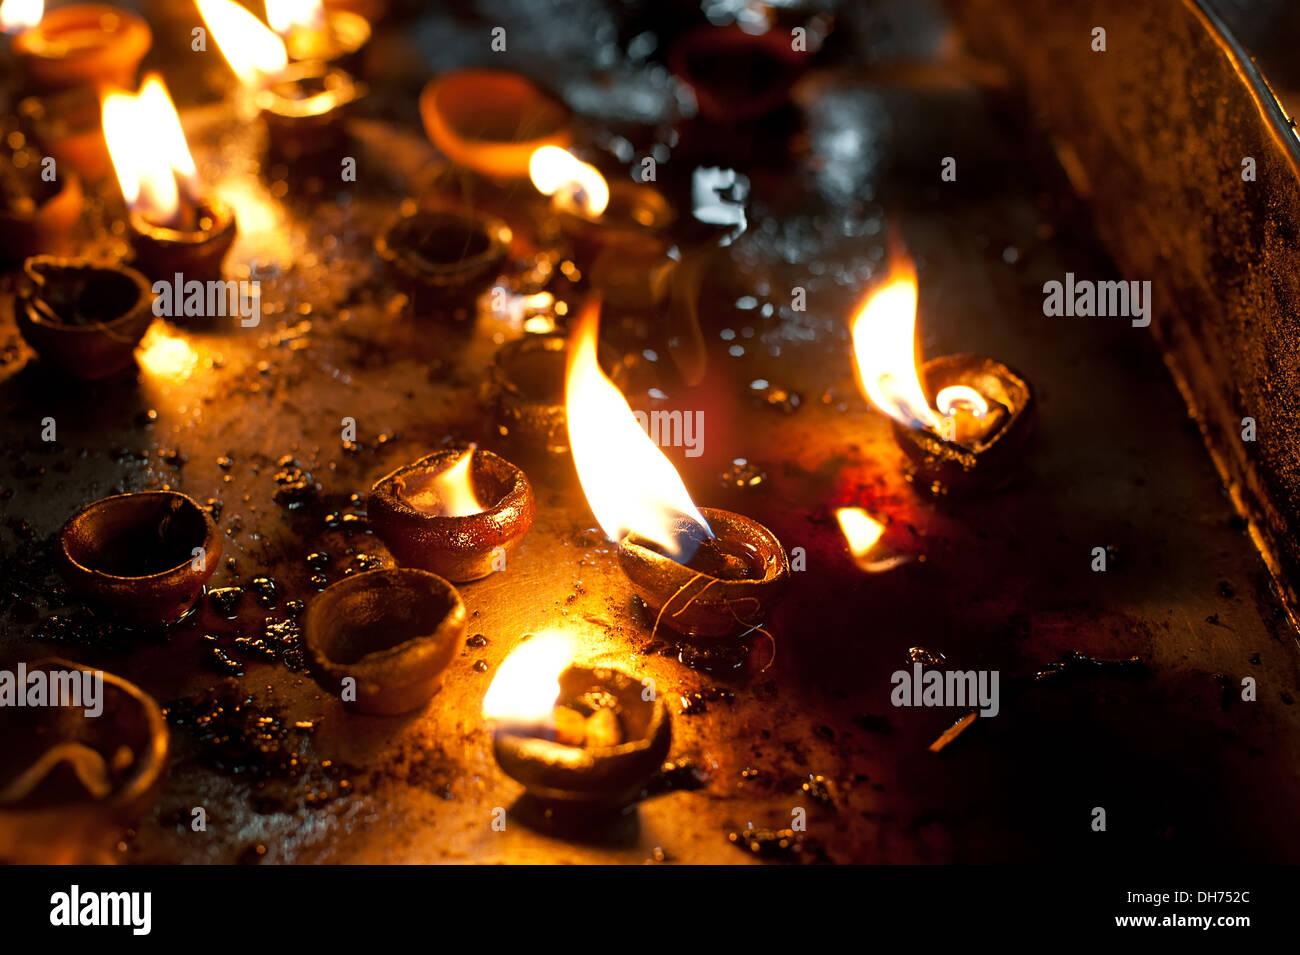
column 386, row 635
column 36, row 215
column 82, row 318
column 704, row 572
column 492, row 121
column 85, row 44
column 72, row 777
column 737, row 75
column 315, row 32
column 459, row 514
column 67, row 126
column 572, row 735
column 144, row 557
column 173, row 228
column 442, row 260
column 620, row 218
column 974, row 434
column 304, row 104
column 527, row 390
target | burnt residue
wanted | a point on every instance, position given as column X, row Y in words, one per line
column 1075, row 664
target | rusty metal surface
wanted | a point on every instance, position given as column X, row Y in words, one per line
column 1184, row 769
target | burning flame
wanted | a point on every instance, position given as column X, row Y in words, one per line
column 286, row 15
column 553, row 169
column 527, row 685
column 631, row 487
column 16, row 15
column 448, row 493
column 252, row 50
column 860, row 530
column 950, row 399
column 884, row 343
column 166, row 356
column 150, row 155
column 862, row 533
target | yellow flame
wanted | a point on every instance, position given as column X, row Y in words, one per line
column 286, row 15
column 527, row 686
column 150, row 156
column 884, row 344
column 860, row 530
column 954, row 396
column 631, row 487
column 253, row 51
column 553, row 170
column 447, row 493
column 16, row 15
column 165, row 356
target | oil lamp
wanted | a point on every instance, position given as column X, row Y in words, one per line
column 456, row 513
column 173, row 229
column 35, row 215
column 527, row 389
column 72, row 780
column 391, row 632
column 312, row 32
column 705, row 572
column 622, row 218
column 67, row 125
column 737, row 75
column 143, row 556
column 442, row 260
column 570, row 734
column 977, row 427
column 86, row 44
column 492, row 121
column 304, row 104
column 82, row 318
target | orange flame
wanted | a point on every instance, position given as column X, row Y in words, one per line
column 286, row 15
column 555, row 170
column 527, row 685
column 631, row 487
column 448, row 493
column 253, row 51
column 860, row 529
column 17, row 15
column 166, row 356
column 147, row 145
column 884, row 344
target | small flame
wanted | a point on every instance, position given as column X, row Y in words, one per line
column 958, row 396
column 286, row 15
column 553, row 170
column 147, row 145
column 884, row 343
column 251, row 49
column 16, row 15
column 862, row 533
column 166, row 356
column 860, row 530
column 631, row 487
column 525, row 690
column 447, row 493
